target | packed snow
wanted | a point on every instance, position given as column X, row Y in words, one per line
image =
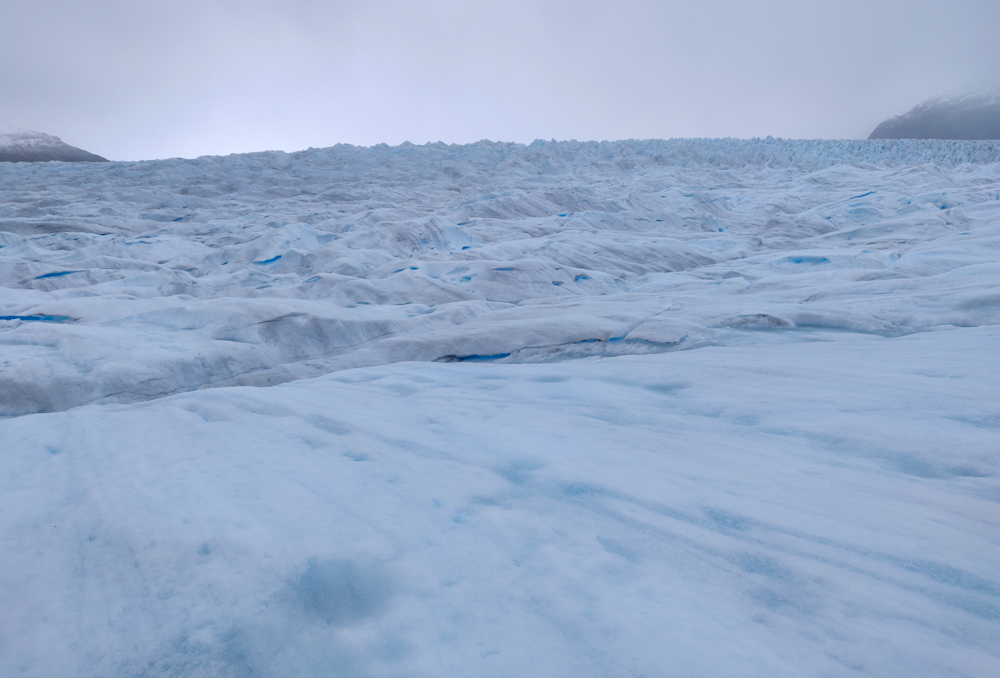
column 663, row 408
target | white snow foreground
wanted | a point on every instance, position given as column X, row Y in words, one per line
column 812, row 491
column 821, row 508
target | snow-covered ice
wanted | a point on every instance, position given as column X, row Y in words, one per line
column 171, row 275
column 675, row 408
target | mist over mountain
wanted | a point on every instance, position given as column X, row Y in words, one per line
column 967, row 117
column 29, row 146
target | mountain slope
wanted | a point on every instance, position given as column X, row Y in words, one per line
column 969, row 117
column 28, row 146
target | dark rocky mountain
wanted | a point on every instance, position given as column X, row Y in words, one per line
column 28, row 146
column 973, row 116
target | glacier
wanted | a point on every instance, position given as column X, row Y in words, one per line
column 683, row 407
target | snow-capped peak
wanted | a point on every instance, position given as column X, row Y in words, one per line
column 24, row 145
column 968, row 116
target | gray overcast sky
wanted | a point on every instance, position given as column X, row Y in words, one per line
column 130, row 79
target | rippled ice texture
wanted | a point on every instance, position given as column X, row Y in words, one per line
column 809, row 490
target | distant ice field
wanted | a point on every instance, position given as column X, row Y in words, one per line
column 130, row 281
column 666, row 408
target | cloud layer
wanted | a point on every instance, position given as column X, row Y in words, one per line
column 141, row 80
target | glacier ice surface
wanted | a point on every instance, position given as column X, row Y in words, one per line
column 687, row 407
